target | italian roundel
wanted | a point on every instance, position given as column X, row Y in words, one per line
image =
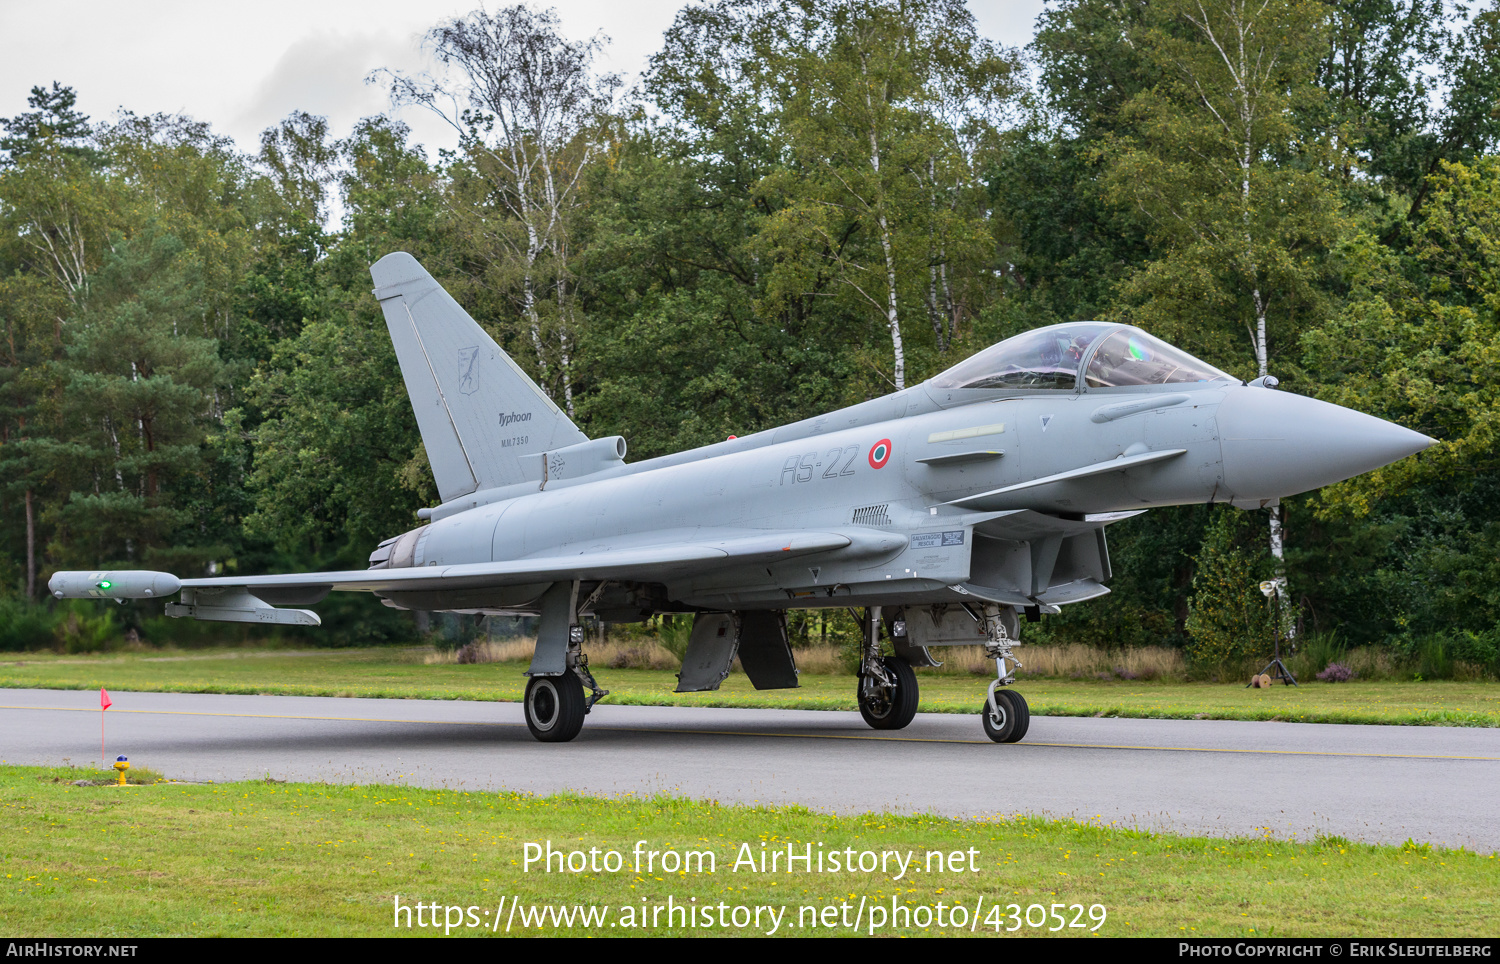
column 880, row 454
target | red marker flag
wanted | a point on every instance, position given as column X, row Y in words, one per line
column 104, row 703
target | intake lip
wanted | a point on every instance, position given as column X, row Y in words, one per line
column 1277, row 444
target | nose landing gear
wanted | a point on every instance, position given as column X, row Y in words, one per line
column 1005, row 715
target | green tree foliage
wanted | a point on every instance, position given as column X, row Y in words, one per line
column 1419, row 338
column 884, row 107
column 1236, row 194
column 1437, row 105
column 1152, row 557
column 532, row 118
column 1229, row 619
column 134, row 402
column 737, row 270
column 300, row 158
column 684, row 348
column 58, row 215
column 1070, row 247
column 127, row 250
column 678, row 352
column 1379, row 92
column 25, row 306
column 338, row 459
column 53, row 123
column 1070, row 243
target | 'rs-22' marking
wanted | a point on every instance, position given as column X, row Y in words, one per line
column 840, row 462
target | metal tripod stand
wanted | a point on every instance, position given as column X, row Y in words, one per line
column 1270, row 589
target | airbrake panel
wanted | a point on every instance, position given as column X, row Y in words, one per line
column 710, row 651
column 765, row 653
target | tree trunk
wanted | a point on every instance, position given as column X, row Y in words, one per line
column 565, row 317
column 1283, row 597
column 30, row 548
column 949, row 309
column 1260, row 332
column 567, row 374
column 933, row 315
column 891, row 318
column 534, row 324
column 1278, row 554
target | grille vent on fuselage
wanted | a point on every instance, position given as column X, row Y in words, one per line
column 872, row 515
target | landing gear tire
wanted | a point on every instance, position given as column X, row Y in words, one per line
column 891, row 711
column 555, row 707
column 1012, row 719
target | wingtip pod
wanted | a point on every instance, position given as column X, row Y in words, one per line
column 113, row 584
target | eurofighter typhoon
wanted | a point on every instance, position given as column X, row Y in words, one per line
column 940, row 515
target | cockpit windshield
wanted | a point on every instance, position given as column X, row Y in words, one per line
column 1044, row 358
column 1131, row 357
column 1104, row 355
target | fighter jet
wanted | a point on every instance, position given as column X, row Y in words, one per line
column 940, row 515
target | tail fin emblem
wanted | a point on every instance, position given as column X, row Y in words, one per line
column 468, row 370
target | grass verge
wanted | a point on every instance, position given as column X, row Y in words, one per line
column 266, row 858
column 389, row 673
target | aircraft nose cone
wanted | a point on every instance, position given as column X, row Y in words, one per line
column 1277, row 444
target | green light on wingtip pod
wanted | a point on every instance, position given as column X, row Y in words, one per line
column 105, row 584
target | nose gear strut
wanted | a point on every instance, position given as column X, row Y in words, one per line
column 1006, row 715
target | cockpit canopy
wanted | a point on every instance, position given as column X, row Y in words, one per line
column 1100, row 354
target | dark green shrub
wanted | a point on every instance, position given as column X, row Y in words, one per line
column 1229, row 620
column 24, row 626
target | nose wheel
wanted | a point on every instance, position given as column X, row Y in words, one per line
column 1006, row 716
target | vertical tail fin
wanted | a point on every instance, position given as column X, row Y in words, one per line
column 477, row 411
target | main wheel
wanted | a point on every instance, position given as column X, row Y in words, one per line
column 1012, row 719
column 554, row 707
column 894, row 710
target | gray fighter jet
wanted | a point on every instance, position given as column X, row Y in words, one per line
column 941, row 515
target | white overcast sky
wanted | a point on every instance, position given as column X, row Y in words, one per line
column 243, row 67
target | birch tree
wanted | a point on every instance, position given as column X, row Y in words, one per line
column 1238, row 196
column 527, row 106
column 876, row 99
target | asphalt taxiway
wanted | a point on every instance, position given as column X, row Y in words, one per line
column 1382, row 784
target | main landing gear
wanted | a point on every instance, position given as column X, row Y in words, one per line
column 888, row 693
column 887, row 684
column 555, row 705
column 1005, row 715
